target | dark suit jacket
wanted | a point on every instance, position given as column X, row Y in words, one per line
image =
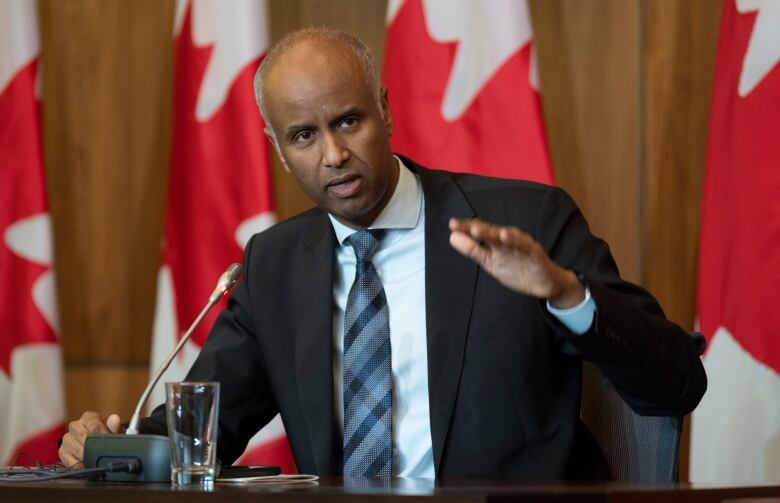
column 503, row 374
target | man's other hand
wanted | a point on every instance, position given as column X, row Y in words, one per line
column 72, row 449
column 516, row 260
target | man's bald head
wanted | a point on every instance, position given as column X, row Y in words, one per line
column 318, row 36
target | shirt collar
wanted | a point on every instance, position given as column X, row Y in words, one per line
column 401, row 212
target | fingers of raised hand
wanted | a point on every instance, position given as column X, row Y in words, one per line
column 469, row 247
column 477, row 229
column 494, row 236
column 516, row 240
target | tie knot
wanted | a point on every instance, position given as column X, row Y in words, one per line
column 365, row 242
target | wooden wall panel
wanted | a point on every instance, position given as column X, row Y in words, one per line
column 108, row 388
column 106, row 95
column 589, row 68
column 678, row 62
column 679, row 57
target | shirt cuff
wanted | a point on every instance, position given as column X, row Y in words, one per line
column 579, row 318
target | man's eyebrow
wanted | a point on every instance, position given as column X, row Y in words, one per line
column 351, row 111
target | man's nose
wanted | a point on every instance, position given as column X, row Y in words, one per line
column 334, row 152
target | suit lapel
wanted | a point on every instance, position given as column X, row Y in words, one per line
column 313, row 341
column 449, row 291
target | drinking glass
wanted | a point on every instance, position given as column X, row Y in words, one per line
column 192, row 410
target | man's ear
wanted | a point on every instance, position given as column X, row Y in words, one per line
column 272, row 140
column 386, row 113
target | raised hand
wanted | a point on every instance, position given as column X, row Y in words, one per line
column 516, row 260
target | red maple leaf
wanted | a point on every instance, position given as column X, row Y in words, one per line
column 219, row 177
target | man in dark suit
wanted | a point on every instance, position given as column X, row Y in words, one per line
column 472, row 332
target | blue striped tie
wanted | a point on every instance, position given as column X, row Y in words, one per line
column 368, row 380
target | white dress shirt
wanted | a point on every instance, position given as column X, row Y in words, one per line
column 400, row 263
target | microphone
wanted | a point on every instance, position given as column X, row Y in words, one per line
column 151, row 451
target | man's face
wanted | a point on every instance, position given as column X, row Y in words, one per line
column 329, row 132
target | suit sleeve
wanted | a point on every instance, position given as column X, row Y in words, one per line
column 232, row 357
column 651, row 361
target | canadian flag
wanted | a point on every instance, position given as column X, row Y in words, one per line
column 735, row 433
column 462, row 87
column 32, row 409
column 220, row 189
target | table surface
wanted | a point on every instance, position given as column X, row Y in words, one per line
column 402, row 490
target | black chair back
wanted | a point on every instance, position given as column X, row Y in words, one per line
column 637, row 448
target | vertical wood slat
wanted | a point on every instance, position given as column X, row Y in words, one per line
column 109, row 388
column 678, row 57
column 589, row 72
column 106, row 108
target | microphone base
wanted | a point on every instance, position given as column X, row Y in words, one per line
column 152, row 451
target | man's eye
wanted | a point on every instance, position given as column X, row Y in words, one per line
column 348, row 122
column 303, row 136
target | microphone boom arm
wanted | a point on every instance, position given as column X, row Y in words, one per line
column 226, row 282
